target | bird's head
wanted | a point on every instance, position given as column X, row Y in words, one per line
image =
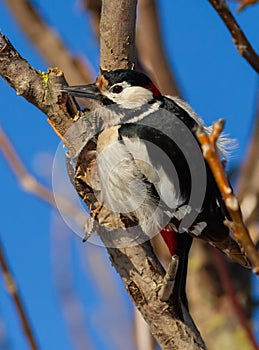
column 127, row 88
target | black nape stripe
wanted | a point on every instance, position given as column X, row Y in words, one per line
column 132, row 77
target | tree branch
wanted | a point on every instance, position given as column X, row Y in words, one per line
column 208, row 144
column 117, row 34
column 143, row 276
column 241, row 42
column 40, row 89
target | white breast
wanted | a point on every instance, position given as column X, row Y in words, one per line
column 123, row 167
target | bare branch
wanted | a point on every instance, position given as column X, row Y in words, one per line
column 143, row 277
column 243, row 46
column 149, row 43
column 40, row 89
column 208, row 144
column 14, row 293
column 117, row 34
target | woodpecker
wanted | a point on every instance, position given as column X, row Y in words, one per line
column 150, row 165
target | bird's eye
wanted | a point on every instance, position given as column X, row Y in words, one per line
column 117, row 89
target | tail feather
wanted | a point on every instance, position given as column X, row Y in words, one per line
column 232, row 249
column 219, row 235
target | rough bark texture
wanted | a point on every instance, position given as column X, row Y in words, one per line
column 143, row 277
column 117, row 34
column 40, row 89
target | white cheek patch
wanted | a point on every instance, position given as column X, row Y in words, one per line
column 131, row 97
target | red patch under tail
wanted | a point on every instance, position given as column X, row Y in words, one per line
column 170, row 238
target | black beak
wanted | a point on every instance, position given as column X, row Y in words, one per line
column 83, row 91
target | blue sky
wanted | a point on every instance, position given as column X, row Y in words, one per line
column 215, row 80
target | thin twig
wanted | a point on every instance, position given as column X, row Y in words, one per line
column 243, row 46
column 208, row 144
column 14, row 293
column 229, row 289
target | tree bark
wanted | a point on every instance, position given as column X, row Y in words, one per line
column 117, row 34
